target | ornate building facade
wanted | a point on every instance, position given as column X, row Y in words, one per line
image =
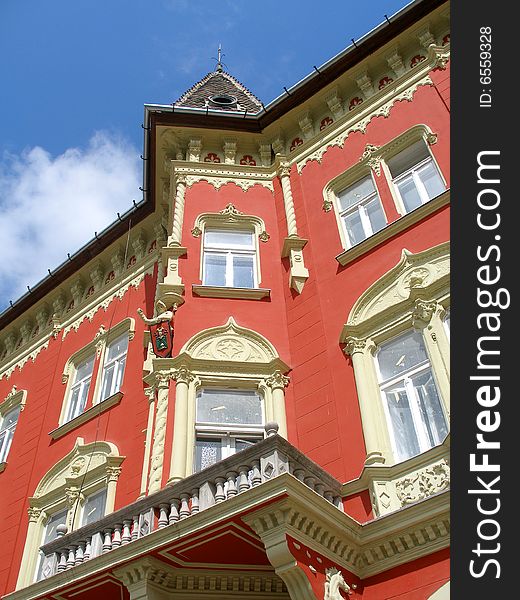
column 241, row 388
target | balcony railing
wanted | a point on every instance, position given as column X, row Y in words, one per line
column 235, row 475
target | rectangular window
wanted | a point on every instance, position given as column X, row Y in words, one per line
column 361, row 211
column 114, row 367
column 80, row 388
column 415, row 176
column 227, row 422
column 411, row 399
column 94, row 507
column 229, row 259
column 7, row 427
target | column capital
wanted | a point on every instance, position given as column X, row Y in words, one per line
column 277, row 380
column 355, row 345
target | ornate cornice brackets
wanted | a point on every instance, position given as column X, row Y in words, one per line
column 14, row 398
column 219, row 174
column 229, row 215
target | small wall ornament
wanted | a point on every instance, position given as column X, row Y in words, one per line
column 161, row 329
column 334, row 583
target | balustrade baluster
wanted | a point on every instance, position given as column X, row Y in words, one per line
column 126, row 537
column 62, row 564
column 256, row 477
column 80, row 553
column 185, row 508
column 309, row 482
column 107, row 540
column 135, row 527
column 243, row 481
column 319, row 488
column 195, row 507
column 116, row 541
column 174, row 511
column 231, row 485
column 163, row 516
column 88, row 549
column 220, row 496
column 299, row 474
column 72, row 556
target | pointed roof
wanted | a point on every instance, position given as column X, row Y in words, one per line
column 219, row 90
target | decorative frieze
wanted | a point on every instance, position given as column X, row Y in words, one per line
column 423, row 483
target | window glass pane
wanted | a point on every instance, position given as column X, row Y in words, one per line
column 5, row 442
column 84, row 369
column 243, row 443
column 401, row 354
column 47, row 564
column 432, row 415
column 229, row 406
column 355, row 193
column 354, row 228
column 116, row 348
column 409, row 194
column 50, row 528
column 243, row 271
column 401, row 420
column 10, row 419
column 375, row 214
column 214, row 269
column 228, row 239
column 208, row 451
column 94, row 507
column 431, row 180
column 120, row 371
column 408, row 158
column 108, row 377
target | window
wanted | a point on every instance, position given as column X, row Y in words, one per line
column 227, row 422
column 229, row 259
column 80, row 388
column 94, row 375
column 73, row 493
column 114, row 367
column 7, row 426
column 411, row 399
column 360, row 211
column 415, row 176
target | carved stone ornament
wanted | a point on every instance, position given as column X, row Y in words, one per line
column 34, row 513
column 334, row 583
column 230, row 210
column 196, row 232
column 264, row 236
column 423, row 312
column 354, row 345
column 424, row 483
column 277, row 380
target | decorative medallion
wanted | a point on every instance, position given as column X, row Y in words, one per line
column 384, row 82
column 295, row 143
column 418, row 58
column 247, row 159
column 325, row 123
column 211, row 157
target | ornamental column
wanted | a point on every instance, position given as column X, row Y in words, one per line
column 277, row 382
column 162, row 384
column 372, row 416
column 183, row 377
column 293, row 244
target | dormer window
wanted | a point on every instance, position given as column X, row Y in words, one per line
column 223, row 100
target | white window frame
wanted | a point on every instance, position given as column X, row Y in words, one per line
column 14, row 401
column 413, row 399
column 97, row 348
column 230, row 251
column 116, row 361
column 227, row 432
column 360, row 207
column 413, row 173
column 81, row 384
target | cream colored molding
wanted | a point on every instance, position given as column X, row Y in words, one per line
column 392, row 229
column 14, row 398
column 219, row 174
column 334, row 102
column 395, row 62
column 393, row 304
column 85, row 416
column 377, row 104
column 443, row 593
column 150, row 393
column 293, row 244
column 213, row 291
column 89, row 467
column 230, row 150
column 149, row 576
column 29, row 354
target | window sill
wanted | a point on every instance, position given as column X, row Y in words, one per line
column 92, row 412
column 389, row 231
column 212, row 291
column 3, row 465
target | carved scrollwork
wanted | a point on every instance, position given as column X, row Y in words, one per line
column 277, row 380
column 423, row 483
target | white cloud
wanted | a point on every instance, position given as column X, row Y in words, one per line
column 51, row 206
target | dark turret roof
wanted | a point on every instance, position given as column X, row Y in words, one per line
column 219, row 90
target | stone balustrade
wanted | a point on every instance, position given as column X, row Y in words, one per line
column 235, row 475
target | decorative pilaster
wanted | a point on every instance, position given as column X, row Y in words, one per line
column 278, row 382
column 156, row 464
column 149, row 392
column 293, row 244
column 361, row 352
column 183, row 377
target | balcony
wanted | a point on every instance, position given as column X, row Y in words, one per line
column 179, row 501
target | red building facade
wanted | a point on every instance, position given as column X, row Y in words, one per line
column 295, row 442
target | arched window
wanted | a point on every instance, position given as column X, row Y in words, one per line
column 397, row 339
column 77, row 490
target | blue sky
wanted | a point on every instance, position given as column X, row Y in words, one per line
column 76, row 74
